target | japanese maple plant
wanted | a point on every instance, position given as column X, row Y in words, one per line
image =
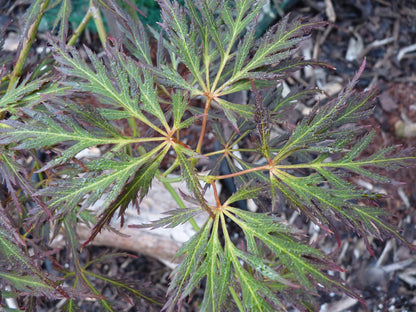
column 144, row 101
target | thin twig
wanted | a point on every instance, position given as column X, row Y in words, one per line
column 92, row 13
column 80, row 27
column 96, row 15
column 27, row 44
column 204, row 124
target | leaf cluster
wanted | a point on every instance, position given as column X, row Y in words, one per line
column 138, row 105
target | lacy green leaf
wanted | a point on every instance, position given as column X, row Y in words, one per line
column 99, row 82
column 137, row 39
column 320, row 124
column 189, row 174
column 20, row 270
column 62, row 18
column 175, row 218
column 179, row 106
column 292, row 254
column 218, row 274
column 17, row 93
column 136, row 189
column 193, row 251
column 182, row 37
column 46, row 131
column 241, row 109
column 13, row 176
column 67, row 196
column 245, row 192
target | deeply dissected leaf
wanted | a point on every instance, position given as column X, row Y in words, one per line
column 293, row 256
column 99, row 82
column 241, row 109
column 218, row 274
column 81, row 283
column 175, row 218
column 182, row 38
column 245, row 192
column 62, row 17
column 261, row 120
column 179, row 106
column 29, row 18
column 17, row 93
column 148, row 96
column 20, row 270
column 323, row 123
column 189, row 175
column 67, row 196
column 134, row 190
column 12, row 176
column 276, row 45
column 280, row 38
column 136, row 36
column 322, row 204
column 47, row 131
column 205, row 258
column 194, row 252
column 244, row 48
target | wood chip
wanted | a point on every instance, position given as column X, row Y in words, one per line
column 405, row 129
column 409, row 276
column 355, row 48
column 405, row 50
column 387, row 102
column 11, row 43
column 339, row 306
column 397, row 266
column 330, row 12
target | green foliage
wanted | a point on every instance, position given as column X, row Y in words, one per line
column 136, row 106
column 20, row 270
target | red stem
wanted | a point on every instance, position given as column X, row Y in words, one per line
column 204, row 125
